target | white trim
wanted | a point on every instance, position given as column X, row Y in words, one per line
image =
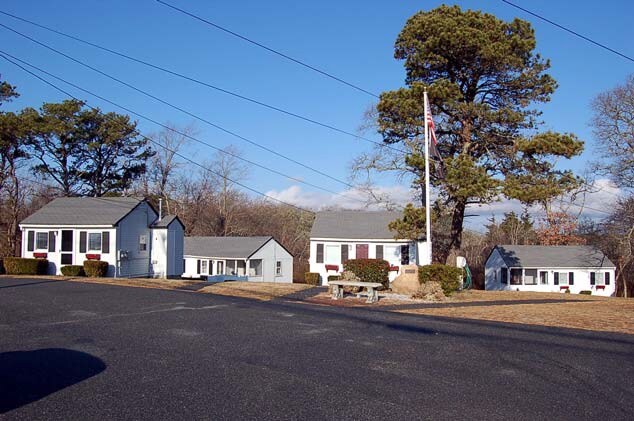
column 362, row 240
column 65, row 226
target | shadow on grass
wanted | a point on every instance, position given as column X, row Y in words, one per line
column 27, row 376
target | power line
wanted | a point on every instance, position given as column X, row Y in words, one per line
column 203, row 83
column 4, row 55
column 190, row 114
column 577, row 34
column 269, row 49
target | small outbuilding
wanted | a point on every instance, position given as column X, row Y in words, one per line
column 255, row 259
column 126, row 232
column 550, row 269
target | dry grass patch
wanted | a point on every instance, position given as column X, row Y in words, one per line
column 136, row 282
column 480, row 295
column 263, row 291
column 598, row 314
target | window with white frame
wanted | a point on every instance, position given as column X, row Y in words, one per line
column 563, row 278
column 332, row 254
column 516, row 276
column 543, row 278
column 94, row 241
column 278, row 268
column 255, row 267
column 41, row 240
column 599, row 278
column 204, row 267
column 530, row 276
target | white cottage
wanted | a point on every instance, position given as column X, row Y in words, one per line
column 125, row 232
column 549, row 269
column 337, row 236
column 256, row 259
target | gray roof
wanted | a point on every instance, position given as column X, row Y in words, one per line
column 83, row 211
column 362, row 225
column 231, row 247
column 554, row 257
column 165, row 222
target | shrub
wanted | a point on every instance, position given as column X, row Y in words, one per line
column 2, row 272
column 586, row 292
column 334, row 278
column 73, row 270
column 430, row 291
column 369, row 270
column 447, row 276
column 311, row 278
column 95, row 268
column 25, row 266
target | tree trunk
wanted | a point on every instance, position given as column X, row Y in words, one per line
column 457, row 220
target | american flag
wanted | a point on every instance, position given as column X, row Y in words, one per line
column 434, row 154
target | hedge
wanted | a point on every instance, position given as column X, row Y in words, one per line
column 447, row 276
column 334, row 278
column 370, row 270
column 311, row 278
column 25, row 266
column 586, row 292
column 73, row 270
column 95, row 268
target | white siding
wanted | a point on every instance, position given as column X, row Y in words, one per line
column 391, row 253
column 130, row 229
column 175, row 249
column 270, row 253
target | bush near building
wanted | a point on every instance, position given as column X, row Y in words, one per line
column 449, row 277
column 369, row 270
column 25, row 266
column 95, row 268
column 73, row 270
column 311, row 278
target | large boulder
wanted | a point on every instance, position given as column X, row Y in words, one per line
column 407, row 282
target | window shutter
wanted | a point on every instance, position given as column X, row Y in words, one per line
column 198, row 266
column 379, row 252
column 593, row 278
column 571, row 278
column 405, row 255
column 30, row 241
column 556, row 282
column 82, row 241
column 607, row 278
column 51, row 241
column 105, row 242
column 344, row 253
column 320, row 253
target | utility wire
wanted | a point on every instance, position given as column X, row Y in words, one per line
column 6, row 57
column 269, row 49
column 577, row 34
column 203, row 83
column 190, row 114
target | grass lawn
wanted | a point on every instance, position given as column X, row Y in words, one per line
column 263, row 291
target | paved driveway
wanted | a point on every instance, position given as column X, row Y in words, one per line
column 87, row 351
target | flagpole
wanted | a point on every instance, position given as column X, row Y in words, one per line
column 427, row 190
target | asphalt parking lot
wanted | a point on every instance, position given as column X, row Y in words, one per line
column 88, row 351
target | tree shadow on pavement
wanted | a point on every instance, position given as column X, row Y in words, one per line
column 27, row 376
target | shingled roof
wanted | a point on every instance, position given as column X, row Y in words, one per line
column 361, row 225
column 554, row 257
column 83, row 211
column 230, row 247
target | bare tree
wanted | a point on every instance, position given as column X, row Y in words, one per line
column 227, row 170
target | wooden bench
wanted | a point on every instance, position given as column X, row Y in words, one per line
column 337, row 289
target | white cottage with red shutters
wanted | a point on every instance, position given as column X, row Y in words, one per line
column 549, row 269
column 126, row 232
column 337, row 236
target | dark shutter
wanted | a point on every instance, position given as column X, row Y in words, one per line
column 504, row 276
column 344, row 253
column 82, row 241
column 198, row 267
column 607, row 278
column 51, row 241
column 405, row 255
column 379, row 251
column 320, row 253
column 105, row 242
column 571, row 278
column 30, row 241
column 593, row 278
column 556, row 278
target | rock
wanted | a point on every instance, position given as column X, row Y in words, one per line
column 407, row 281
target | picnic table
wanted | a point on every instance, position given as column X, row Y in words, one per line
column 337, row 289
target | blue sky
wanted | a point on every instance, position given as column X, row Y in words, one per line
column 353, row 40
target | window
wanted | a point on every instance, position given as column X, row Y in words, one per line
column 320, row 253
column 379, row 251
column 516, row 276
column 332, row 254
column 543, row 278
column 242, row 268
column 391, row 253
column 220, row 268
column 142, row 242
column 255, row 267
column 599, row 278
column 278, row 268
column 41, row 241
column 504, row 276
column 204, row 267
column 231, row 268
column 405, row 254
column 94, row 241
column 562, row 277
column 344, row 252
column 530, row 276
